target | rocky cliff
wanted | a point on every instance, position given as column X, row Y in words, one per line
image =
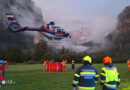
column 123, row 30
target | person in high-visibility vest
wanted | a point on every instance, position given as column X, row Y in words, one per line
column 85, row 76
column 109, row 75
column 73, row 65
column 128, row 62
column 44, row 65
column 64, row 65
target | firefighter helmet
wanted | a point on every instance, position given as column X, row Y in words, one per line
column 87, row 58
column 107, row 59
column 72, row 61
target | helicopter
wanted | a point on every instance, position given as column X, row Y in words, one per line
column 50, row 31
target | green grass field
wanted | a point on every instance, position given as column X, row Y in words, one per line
column 31, row 77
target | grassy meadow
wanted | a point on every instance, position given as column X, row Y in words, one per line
column 31, row 77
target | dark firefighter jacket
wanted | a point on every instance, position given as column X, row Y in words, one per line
column 85, row 77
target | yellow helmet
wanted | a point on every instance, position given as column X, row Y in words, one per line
column 87, row 58
column 72, row 61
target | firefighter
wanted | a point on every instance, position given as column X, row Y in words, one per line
column 86, row 76
column 64, row 65
column 73, row 65
column 109, row 75
column 44, row 65
column 128, row 62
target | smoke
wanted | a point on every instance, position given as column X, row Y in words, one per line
column 96, row 34
column 100, row 27
column 68, row 43
column 27, row 14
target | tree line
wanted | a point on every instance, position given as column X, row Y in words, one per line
column 16, row 54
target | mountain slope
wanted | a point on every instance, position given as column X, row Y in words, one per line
column 123, row 34
column 80, row 36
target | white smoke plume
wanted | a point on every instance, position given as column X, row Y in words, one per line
column 100, row 27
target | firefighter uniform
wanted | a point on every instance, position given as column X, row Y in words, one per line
column 44, row 65
column 85, row 77
column 73, row 65
column 109, row 77
column 64, row 65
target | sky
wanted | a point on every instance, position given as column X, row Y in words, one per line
column 74, row 14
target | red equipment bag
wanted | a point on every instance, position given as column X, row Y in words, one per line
column 54, row 66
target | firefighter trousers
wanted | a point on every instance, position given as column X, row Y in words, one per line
column 106, row 88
